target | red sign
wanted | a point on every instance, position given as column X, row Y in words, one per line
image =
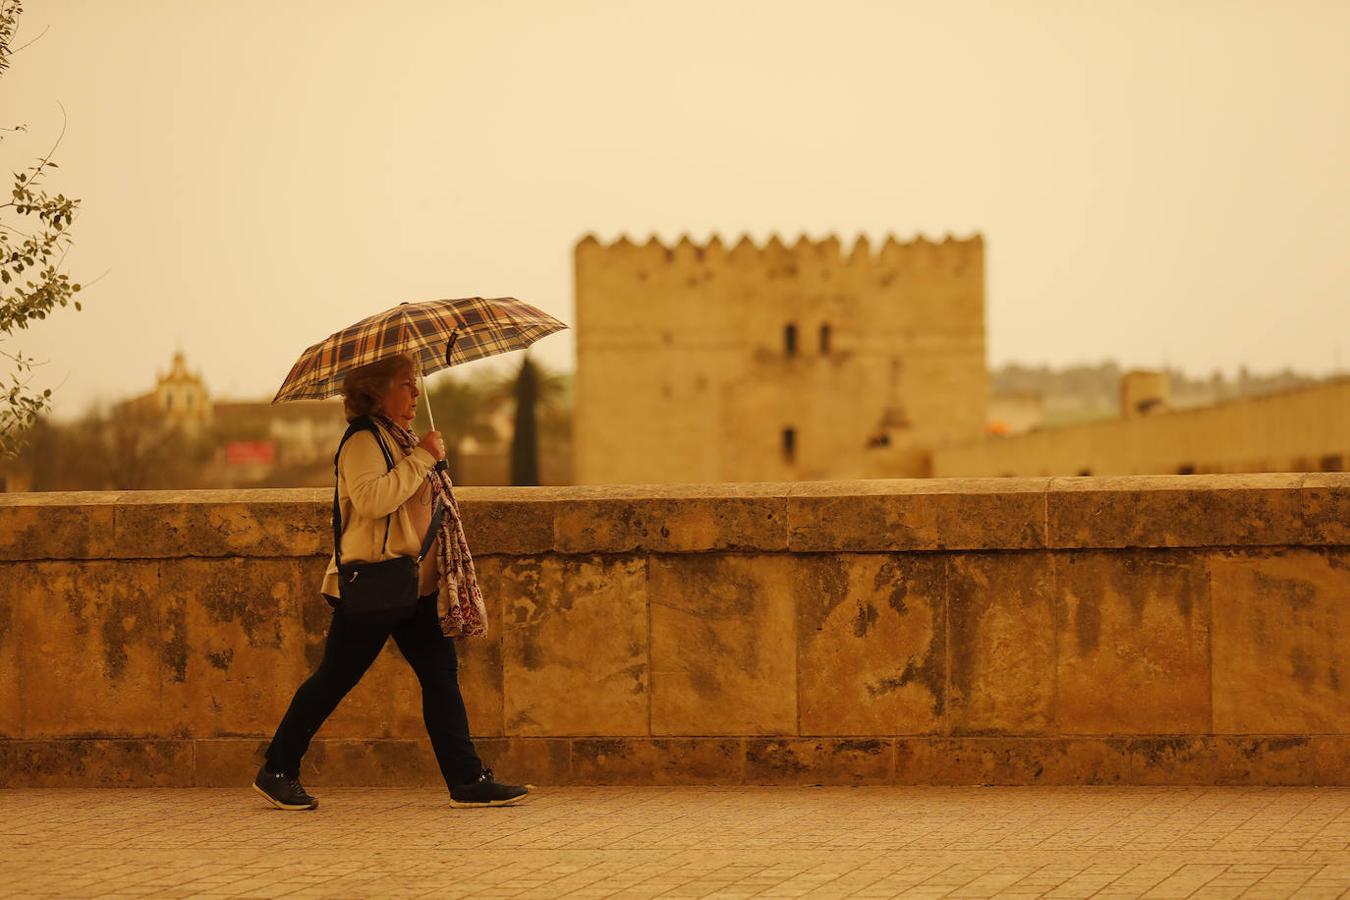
column 246, row 453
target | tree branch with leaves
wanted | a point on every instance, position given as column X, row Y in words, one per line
column 34, row 240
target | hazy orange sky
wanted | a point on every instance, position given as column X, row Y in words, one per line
column 1156, row 181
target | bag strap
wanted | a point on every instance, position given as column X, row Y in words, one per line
column 437, row 512
column 365, row 423
column 359, row 424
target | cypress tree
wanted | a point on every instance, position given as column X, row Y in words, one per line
column 525, row 437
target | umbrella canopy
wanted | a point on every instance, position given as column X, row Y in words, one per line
column 437, row 333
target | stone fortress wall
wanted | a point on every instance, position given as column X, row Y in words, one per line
column 1301, row 430
column 1072, row 630
column 686, row 371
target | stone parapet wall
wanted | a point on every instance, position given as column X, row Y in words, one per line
column 1071, row 630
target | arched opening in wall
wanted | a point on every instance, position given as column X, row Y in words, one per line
column 1083, row 473
column 824, row 338
column 790, row 339
column 789, row 445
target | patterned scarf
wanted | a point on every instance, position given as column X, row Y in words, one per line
column 459, row 602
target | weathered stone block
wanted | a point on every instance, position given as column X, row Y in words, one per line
column 872, row 633
column 380, row 762
column 135, row 762
column 723, row 645
column 1281, row 662
column 976, row 760
column 76, row 525
column 231, row 666
column 1133, row 642
column 1175, row 511
column 1331, row 759
column 1002, row 643
column 819, row 761
column 672, row 518
column 480, row 658
column 95, row 638
column 11, row 709
column 917, row 514
column 575, row 646
column 1326, row 509
column 1221, row 760
column 227, row 762
column 507, row 520
column 657, row 760
column 528, row 760
column 223, row 523
column 1283, row 759
column 1077, row 761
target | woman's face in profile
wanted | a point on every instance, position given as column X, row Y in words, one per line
column 400, row 401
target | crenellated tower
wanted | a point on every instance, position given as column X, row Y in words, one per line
column 742, row 362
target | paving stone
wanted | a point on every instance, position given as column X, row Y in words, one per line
column 635, row 841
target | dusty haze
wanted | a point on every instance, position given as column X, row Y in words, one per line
column 1156, row 182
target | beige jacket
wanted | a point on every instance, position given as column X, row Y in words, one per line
column 368, row 490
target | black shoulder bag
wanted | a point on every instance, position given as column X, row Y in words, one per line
column 384, row 592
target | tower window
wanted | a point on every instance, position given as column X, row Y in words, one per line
column 825, row 337
column 790, row 340
column 789, row 445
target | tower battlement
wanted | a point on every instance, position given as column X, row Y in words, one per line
column 890, row 252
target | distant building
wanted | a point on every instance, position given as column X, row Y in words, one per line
column 701, row 363
column 288, row 444
column 254, row 440
column 179, row 398
column 1297, row 430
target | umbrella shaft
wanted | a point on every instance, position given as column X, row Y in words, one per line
column 430, row 418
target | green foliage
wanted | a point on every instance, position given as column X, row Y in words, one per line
column 525, row 436
column 34, row 239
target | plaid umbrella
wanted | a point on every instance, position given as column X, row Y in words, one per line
column 437, row 333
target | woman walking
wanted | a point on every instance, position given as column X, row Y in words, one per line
column 388, row 483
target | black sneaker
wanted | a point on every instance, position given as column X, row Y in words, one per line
column 486, row 792
column 282, row 791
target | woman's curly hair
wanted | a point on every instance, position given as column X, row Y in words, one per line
column 363, row 389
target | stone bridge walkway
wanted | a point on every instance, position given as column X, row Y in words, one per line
column 684, row 842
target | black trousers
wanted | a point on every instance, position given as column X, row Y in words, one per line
column 348, row 652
